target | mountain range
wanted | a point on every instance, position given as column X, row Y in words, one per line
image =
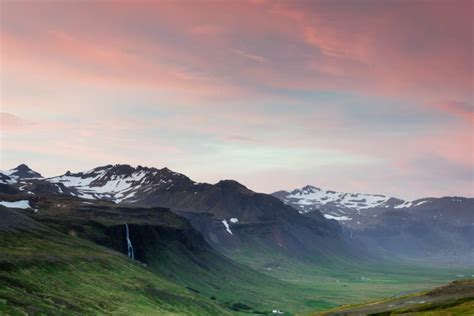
column 308, row 223
column 231, row 217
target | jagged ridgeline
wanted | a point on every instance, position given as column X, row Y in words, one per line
column 231, row 217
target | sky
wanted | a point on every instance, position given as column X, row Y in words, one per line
column 355, row 96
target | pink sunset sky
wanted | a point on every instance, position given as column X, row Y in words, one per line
column 356, row 96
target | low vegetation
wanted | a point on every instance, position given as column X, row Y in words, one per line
column 456, row 298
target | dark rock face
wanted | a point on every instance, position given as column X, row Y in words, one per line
column 5, row 179
column 147, row 239
column 24, row 172
column 8, row 189
column 13, row 220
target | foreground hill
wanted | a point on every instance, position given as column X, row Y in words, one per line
column 43, row 271
column 456, row 298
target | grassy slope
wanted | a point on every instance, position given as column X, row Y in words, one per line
column 456, row 298
column 54, row 273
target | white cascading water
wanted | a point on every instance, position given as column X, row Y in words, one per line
column 129, row 245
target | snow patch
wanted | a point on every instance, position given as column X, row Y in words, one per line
column 404, row 204
column 22, row 204
column 234, row 220
column 421, row 202
column 116, row 188
column 315, row 197
column 227, row 227
column 337, row 218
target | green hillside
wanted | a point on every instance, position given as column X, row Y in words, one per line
column 456, row 298
column 50, row 273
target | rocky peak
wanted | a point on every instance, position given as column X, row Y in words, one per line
column 231, row 185
column 23, row 171
column 309, row 189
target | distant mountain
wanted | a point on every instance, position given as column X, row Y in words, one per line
column 357, row 210
column 440, row 228
column 334, row 205
column 12, row 176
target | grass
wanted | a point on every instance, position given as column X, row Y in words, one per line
column 440, row 301
column 233, row 285
column 52, row 275
column 45, row 276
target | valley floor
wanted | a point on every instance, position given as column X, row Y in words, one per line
column 335, row 283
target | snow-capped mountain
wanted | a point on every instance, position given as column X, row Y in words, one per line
column 360, row 211
column 357, row 210
column 118, row 183
column 15, row 175
column 310, row 198
column 227, row 213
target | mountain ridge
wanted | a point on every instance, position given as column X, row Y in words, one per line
column 227, row 213
column 306, row 223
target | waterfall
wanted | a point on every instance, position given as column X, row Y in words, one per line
column 129, row 244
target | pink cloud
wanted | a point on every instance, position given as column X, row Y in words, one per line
column 365, row 47
column 104, row 64
column 253, row 57
column 460, row 109
column 10, row 122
